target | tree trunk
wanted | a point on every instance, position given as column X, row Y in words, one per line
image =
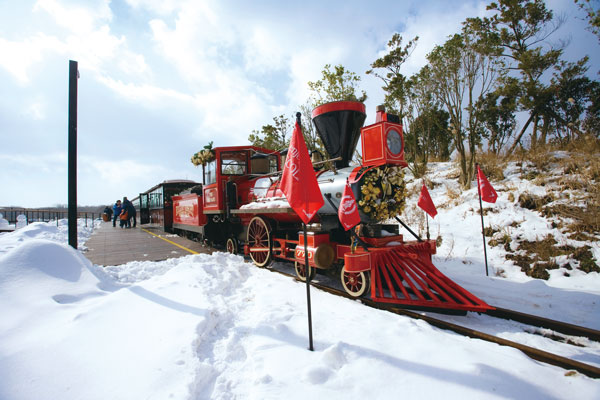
column 534, row 139
column 544, row 132
column 518, row 138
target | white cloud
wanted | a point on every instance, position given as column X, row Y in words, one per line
column 122, row 170
column 440, row 24
column 161, row 7
column 19, row 56
column 145, row 94
column 73, row 31
column 96, row 49
column 199, row 44
column 36, row 110
column 263, row 50
column 21, row 162
column 134, row 65
column 74, row 17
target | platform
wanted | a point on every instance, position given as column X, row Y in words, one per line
column 110, row 245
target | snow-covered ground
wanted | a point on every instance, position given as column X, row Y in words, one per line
column 216, row 327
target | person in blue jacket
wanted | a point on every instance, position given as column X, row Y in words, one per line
column 116, row 212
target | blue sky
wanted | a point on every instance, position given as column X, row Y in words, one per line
column 161, row 78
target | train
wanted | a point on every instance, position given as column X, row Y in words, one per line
column 239, row 205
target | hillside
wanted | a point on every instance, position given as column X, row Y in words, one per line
column 545, row 223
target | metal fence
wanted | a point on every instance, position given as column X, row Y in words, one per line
column 44, row 215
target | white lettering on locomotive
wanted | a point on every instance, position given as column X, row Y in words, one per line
column 300, row 254
column 211, row 196
column 184, row 211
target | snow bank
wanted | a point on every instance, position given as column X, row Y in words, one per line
column 216, row 327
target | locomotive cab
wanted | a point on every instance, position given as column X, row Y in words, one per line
column 227, row 177
column 228, row 181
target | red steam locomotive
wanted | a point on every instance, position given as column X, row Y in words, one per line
column 240, row 205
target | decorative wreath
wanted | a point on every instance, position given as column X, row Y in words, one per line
column 204, row 156
column 383, row 193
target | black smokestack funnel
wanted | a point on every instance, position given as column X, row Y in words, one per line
column 338, row 124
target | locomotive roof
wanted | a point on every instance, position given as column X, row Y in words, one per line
column 172, row 182
column 257, row 149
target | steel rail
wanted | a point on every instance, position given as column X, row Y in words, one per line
column 536, row 354
column 541, row 322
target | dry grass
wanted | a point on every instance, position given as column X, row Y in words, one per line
column 452, row 193
column 511, row 197
column 532, row 202
column 586, row 144
column 537, row 257
column 586, row 219
column 492, row 166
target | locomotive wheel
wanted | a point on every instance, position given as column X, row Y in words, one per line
column 259, row 241
column 301, row 271
column 356, row 284
column 232, row 245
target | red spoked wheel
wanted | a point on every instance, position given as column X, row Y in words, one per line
column 301, row 271
column 259, row 241
column 356, row 284
column 232, row 245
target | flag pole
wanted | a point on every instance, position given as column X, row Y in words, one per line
column 427, row 220
column 482, row 226
column 307, row 271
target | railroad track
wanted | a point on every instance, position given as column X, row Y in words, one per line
column 502, row 313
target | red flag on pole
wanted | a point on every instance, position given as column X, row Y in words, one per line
column 486, row 191
column 348, row 211
column 426, row 203
column 299, row 182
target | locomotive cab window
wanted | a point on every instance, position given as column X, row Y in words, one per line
column 210, row 172
column 233, row 163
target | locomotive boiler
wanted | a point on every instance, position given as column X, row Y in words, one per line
column 240, row 204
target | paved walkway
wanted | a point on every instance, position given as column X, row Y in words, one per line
column 116, row 246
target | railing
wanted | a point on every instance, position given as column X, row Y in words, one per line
column 41, row 215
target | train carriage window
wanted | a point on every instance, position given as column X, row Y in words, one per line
column 155, row 198
column 233, row 163
column 210, row 172
column 272, row 163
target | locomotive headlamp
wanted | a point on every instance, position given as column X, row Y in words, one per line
column 394, row 142
column 382, row 142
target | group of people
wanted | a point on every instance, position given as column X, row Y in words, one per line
column 124, row 212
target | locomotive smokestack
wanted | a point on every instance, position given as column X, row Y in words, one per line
column 338, row 124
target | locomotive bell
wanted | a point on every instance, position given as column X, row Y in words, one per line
column 338, row 125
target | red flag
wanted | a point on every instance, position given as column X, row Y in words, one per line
column 426, row 203
column 486, row 191
column 348, row 211
column 299, row 182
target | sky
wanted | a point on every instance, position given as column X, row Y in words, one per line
column 159, row 79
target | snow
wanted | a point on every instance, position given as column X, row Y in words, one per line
column 274, row 202
column 216, row 327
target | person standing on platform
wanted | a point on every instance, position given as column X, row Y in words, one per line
column 108, row 211
column 123, row 218
column 131, row 213
column 116, row 212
